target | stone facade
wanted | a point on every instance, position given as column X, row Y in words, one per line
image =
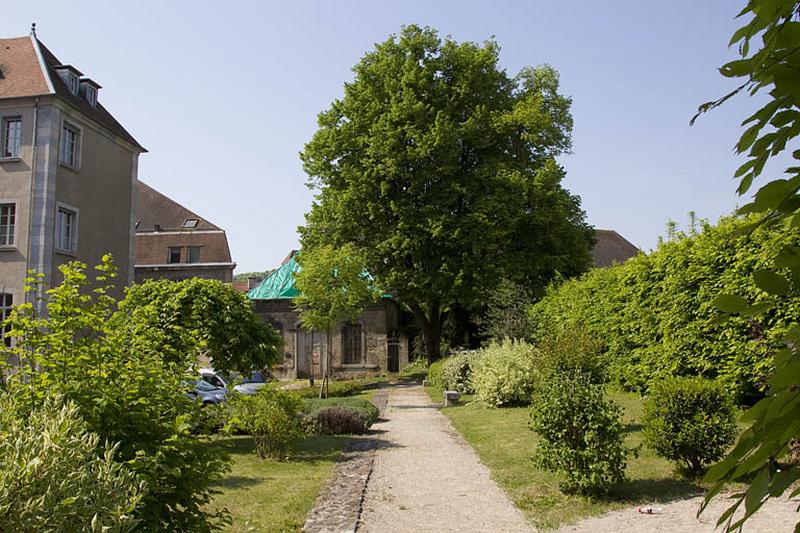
column 372, row 345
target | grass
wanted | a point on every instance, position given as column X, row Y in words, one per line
column 266, row 495
column 505, row 444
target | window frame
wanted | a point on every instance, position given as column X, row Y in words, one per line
column 73, row 244
column 4, row 137
column 5, row 311
column 189, row 254
column 348, row 344
column 75, row 163
column 169, row 255
column 13, row 233
column 73, row 83
column 190, row 223
column 91, row 95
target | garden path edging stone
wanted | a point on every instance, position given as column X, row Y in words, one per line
column 338, row 507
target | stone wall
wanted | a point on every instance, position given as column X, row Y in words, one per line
column 377, row 323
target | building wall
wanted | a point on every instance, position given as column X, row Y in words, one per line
column 184, row 271
column 100, row 190
column 15, row 185
column 377, row 321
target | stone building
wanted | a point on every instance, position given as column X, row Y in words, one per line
column 372, row 345
column 68, row 171
column 173, row 242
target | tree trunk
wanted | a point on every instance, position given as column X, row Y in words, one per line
column 430, row 323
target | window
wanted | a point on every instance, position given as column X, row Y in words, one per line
column 8, row 215
column 190, row 223
column 91, row 95
column 66, row 230
column 11, row 137
column 70, row 145
column 194, row 254
column 174, row 254
column 72, row 83
column 351, row 344
column 6, row 303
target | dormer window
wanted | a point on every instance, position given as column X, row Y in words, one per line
column 91, row 95
column 72, row 83
column 71, row 77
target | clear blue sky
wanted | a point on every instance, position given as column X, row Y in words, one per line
column 225, row 94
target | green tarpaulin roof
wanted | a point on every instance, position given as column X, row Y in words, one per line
column 279, row 284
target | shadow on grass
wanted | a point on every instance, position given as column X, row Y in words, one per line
column 237, row 482
column 632, row 427
column 661, row 490
column 310, row 450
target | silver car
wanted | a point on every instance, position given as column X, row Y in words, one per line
column 208, row 393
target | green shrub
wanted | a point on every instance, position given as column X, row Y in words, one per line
column 363, row 407
column 654, row 314
column 690, row 421
column 340, row 421
column 56, row 476
column 506, row 373
column 580, row 433
column 213, row 418
column 572, row 352
column 272, row 417
column 435, row 374
column 111, row 366
column 457, row 371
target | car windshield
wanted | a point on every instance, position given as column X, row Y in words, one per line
column 205, row 386
column 255, row 377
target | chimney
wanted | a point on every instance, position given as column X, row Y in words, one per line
column 253, row 281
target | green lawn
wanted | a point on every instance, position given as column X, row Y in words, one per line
column 266, row 495
column 505, row 444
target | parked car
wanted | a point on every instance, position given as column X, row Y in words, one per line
column 252, row 383
column 204, row 390
column 218, row 379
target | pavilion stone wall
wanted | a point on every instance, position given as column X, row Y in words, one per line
column 377, row 321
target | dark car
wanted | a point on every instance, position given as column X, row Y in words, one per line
column 207, row 392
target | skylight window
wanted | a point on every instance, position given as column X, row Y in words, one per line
column 190, row 223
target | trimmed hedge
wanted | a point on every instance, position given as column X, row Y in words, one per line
column 312, row 407
column 690, row 421
column 654, row 316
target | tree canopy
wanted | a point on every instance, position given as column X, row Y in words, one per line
column 440, row 169
column 202, row 317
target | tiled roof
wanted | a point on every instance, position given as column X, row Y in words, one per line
column 611, row 247
column 155, row 209
column 22, row 75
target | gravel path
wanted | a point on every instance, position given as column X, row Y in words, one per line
column 426, row 478
column 776, row 516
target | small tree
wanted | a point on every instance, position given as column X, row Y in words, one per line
column 333, row 287
column 580, row 432
column 690, row 421
column 202, row 317
column 272, row 417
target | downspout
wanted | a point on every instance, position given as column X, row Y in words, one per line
column 33, row 179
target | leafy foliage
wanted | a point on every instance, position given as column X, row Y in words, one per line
column 363, row 407
column 581, row 434
column 440, row 168
column 571, row 353
column 333, row 285
column 111, row 368
column 690, row 421
column 654, row 316
column 506, row 314
column 457, row 371
column 340, row 421
column 435, row 373
column 56, row 476
column 272, row 417
column 506, row 373
column 202, row 318
column 772, row 67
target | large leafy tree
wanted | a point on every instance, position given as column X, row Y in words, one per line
column 769, row 48
column 440, row 169
column 202, row 318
